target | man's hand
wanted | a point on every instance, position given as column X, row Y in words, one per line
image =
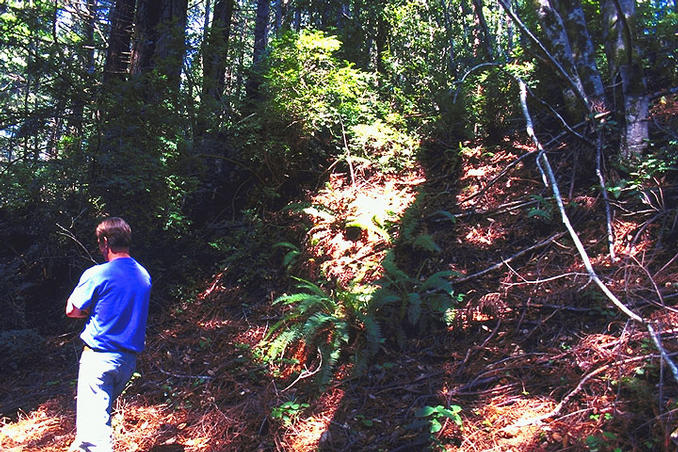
column 75, row 313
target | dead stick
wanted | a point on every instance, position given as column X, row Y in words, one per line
column 515, row 256
column 550, row 179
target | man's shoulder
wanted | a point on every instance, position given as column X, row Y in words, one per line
column 131, row 264
column 93, row 271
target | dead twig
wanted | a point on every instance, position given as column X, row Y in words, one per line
column 67, row 233
column 497, row 177
column 509, row 259
column 603, row 190
column 306, row 373
column 550, row 180
column 575, row 391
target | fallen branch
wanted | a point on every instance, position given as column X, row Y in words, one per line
column 497, row 177
column 541, row 281
column 606, row 199
column 550, row 179
column 306, row 373
column 575, row 391
column 515, row 256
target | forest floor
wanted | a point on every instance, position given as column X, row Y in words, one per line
column 537, row 359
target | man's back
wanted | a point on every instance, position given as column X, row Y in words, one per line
column 117, row 294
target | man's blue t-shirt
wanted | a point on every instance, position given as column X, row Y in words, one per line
column 117, row 294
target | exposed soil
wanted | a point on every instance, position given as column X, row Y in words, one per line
column 536, row 358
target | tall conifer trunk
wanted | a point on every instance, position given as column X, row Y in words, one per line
column 214, row 63
column 118, row 51
column 260, row 42
column 159, row 39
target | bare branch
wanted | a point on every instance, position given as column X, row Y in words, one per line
column 577, row 89
column 67, row 233
column 306, row 373
column 547, row 173
column 515, row 256
column 606, row 199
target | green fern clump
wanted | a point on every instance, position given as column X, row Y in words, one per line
column 315, row 317
column 411, row 302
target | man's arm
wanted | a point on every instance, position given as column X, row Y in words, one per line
column 75, row 313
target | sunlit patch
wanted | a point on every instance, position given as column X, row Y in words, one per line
column 308, row 433
column 483, row 237
column 138, row 427
column 511, row 421
column 477, row 172
column 354, row 224
column 215, row 324
column 48, row 428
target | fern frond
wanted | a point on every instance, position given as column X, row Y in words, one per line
column 382, row 298
column 426, row 242
column 330, row 355
column 315, row 323
column 309, row 286
column 277, row 347
column 287, row 245
column 372, row 334
column 398, row 276
column 307, row 307
column 438, row 281
column 295, row 298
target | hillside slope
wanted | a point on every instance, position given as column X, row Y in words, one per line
column 533, row 358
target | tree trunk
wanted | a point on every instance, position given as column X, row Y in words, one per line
column 583, row 51
column 451, row 58
column 216, row 51
column 118, row 52
column 159, row 39
column 260, row 42
column 381, row 38
column 87, row 19
column 214, row 64
column 559, row 45
column 280, row 14
column 625, row 67
column 486, row 39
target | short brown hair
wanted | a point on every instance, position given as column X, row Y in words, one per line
column 117, row 231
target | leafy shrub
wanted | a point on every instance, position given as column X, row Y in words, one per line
column 288, row 412
column 312, row 101
column 384, row 143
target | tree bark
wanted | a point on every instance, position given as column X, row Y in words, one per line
column 559, row 43
column 260, row 42
column 625, row 67
column 583, row 51
column 87, row 19
column 486, row 38
column 381, row 38
column 159, row 39
column 216, row 51
column 451, row 58
column 118, row 52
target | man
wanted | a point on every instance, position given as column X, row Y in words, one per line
column 114, row 298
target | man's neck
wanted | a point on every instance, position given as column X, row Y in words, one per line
column 113, row 255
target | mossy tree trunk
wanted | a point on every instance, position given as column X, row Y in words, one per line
column 626, row 69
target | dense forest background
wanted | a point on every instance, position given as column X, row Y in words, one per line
column 239, row 137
